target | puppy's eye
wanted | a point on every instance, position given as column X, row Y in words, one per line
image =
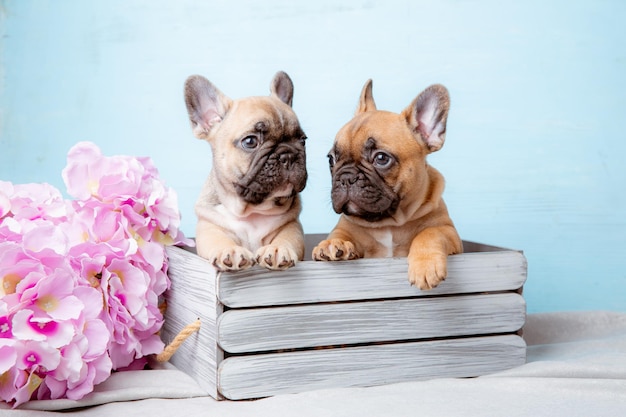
column 382, row 160
column 249, row 143
column 331, row 160
column 303, row 140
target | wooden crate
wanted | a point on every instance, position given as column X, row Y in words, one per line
column 341, row 324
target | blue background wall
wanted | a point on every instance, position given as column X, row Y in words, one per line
column 534, row 157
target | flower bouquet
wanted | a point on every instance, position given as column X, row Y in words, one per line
column 81, row 280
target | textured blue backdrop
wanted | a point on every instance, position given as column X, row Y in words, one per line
column 534, row 157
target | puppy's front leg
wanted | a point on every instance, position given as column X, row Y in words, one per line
column 428, row 255
column 216, row 245
column 284, row 250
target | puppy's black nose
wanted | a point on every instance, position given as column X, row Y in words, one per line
column 348, row 179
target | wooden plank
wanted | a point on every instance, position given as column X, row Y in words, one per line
column 259, row 329
column 192, row 296
column 255, row 376
column 363, row 279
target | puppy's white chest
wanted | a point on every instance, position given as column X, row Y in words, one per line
column 385, row 239
column 250, row 230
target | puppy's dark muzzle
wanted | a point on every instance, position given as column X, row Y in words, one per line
column 272, row 169
column 358, row 192
column 293, row 162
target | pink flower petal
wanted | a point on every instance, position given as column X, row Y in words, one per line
column 33, row 354
column 5, row 204
column 25, row 391
column 76, row 174
column 27, row 326
column 46, row 236
column 8, row 356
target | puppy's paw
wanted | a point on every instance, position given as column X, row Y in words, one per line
column 335, row 250
column 276, row 257
column 426, row 271
column 233, row 258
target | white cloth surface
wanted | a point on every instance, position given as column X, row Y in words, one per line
column 576, row 366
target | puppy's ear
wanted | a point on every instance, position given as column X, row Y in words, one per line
column 206, row 105
column 428, row 114
column 366, row 102
column 282, row 87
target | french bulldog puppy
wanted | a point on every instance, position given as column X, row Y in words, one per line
column 388, row 196
column 249, row 205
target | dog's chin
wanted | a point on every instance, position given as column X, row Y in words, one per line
column 278, row 197
column 352, row 209
column 282, row 194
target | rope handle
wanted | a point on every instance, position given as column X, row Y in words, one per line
column 170, row 349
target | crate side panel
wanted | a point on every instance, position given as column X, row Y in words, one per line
column 363, row 279
column 255, row 376
column 304, row 326
column 192, row 296
column 470, row 247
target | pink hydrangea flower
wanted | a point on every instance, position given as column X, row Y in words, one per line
column 6, row 189
column 81, row 280
column 34, row 201
column 90, row 174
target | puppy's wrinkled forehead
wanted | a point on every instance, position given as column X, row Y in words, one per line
column 263, row 114
column 386, row 128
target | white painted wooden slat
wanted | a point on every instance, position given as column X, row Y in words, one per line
column 254, row 376
column 273, row 328
column 192, row 296
column 362, row 279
